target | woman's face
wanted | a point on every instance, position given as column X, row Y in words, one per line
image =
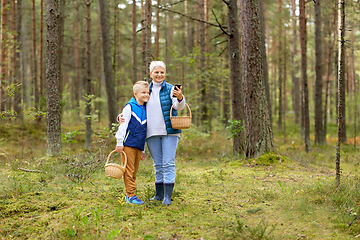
column 158, row 74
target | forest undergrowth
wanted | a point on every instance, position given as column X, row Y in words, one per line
column 287, row 194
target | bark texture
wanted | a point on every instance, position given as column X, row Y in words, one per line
column 319, row 136
column 52, row 78
column 235, row 74
column 341, row 91
column 264, row 58
column 88, row 78
column 259, row 137
column 134, row 43
column 295, row 68
column 109, row 77
column 305, row 91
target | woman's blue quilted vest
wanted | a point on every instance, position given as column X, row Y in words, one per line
column 166, row 104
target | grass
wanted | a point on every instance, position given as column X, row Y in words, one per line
column 283, row 195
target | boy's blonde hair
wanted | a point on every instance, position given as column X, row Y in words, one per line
column 140, row 84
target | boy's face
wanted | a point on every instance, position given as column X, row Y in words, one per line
column 142, row 95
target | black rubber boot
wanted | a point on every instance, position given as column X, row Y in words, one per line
column 168, row 190
column 159, row 195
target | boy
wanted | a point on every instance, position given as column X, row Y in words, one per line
column 131, row 138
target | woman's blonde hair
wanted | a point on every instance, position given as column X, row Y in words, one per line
column 140, row 84
column 157, row 64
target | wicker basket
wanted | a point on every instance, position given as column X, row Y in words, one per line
column 180, row 122
column 115, row 170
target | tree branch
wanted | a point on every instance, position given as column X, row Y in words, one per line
column 227, row 3
column 192, row 18
column 222, row 29
column 28, row 170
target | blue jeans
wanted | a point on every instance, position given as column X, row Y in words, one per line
column 162, row 150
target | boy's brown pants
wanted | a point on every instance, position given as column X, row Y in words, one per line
column 132, row 166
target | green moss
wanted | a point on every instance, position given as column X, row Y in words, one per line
column 268, row 159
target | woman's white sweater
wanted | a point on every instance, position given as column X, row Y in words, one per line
column 155, row 118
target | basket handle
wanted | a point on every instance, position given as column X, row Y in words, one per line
column 173, row 106
column 107, row 161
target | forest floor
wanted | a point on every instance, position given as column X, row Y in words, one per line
column 283, row 195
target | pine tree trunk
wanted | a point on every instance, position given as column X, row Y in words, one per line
column 3, row 34
column 109, row 78
column 77, row 91
column 88, row 78
column 143, row 40
column 341, row 76
column 157, row 35
column 280, row 65
column 235, row 75
column 259, row 137
column 305, row 93
column 34, row 58
column 13, row 52
column 353, row 80
column 18, row 79
column 52, row 79
column 134, row 43
column 295, row 68
column 327, row 88
column 61, row 42
column 25, row 92
column 203, row 96
column 319, row 136
column 264, row 58
column 148, row 58
column 341, row 71
column 41, row 80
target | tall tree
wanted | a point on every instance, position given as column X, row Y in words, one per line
column 3, row 53
column 77, row 56
column 134, row 42
column 61, row 42
column 203, row 96
column 341, row 77
column 259, row 137
column 109, row 77
column 331, row 44
column 295, row 68
column 235, row 74
column 341, row 72
column 17, row 71
column 319, row 136
column 353, row 80
column 157, row 35
column 148, row 57
column 88, row 78
column 305, row 91
column 280, row 66
column 54, row 146
column 264, row 57
column 34, row 58
column 41, row 37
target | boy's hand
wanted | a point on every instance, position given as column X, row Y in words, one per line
column 121, row 118
column 142, row 158
column 119, row 149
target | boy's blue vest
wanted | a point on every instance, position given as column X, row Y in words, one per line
column 166, row 104
column 136, row 130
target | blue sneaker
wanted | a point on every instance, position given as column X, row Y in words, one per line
column 133, row 200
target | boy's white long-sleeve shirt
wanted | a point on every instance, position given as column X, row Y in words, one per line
column 120, row 134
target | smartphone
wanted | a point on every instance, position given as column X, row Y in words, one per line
column 177, row 86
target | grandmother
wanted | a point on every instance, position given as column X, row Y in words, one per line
column 161, row 138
